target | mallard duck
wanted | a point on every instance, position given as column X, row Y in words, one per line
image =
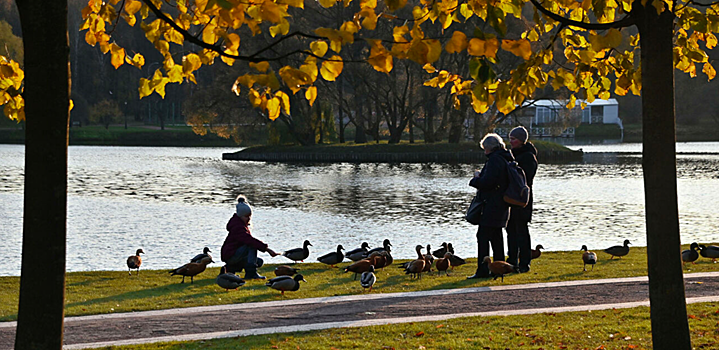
column 385, row 246
column 228, row 280
column 443, row 263
column 199, row 257
column 691, row 255
column 134, row 262
column 439, row 253
column 333, row 258
column 536, row 252
column 499, row 268
column 362, row 265
column 711, row 252
column 286, row 283
column 368, row 279
column 298, row 254
column 618, row 250
column 191, row 269
column 455, row 261
column 588, row 258
column 284, row 270
column 358, row 254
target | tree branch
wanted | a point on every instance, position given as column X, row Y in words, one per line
column 624, row 22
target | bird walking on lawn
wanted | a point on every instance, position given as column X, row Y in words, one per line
column 439, row 253
column 228, row 280
column 358, row 253
column 588, row 258
column 197, row 258
column 286, row 283
column 443, row 263
column 333, row 258
column 284, row 270
column 536, row 252
column 134, row 262
column 298, row 254
column 499, row 268
column 363, row 265
column 368, row 279
column 455, row 261
column 711, row 252
column 191, row 269
column 618, row 250
column 690, row 255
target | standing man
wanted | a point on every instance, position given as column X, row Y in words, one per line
column 518, row 240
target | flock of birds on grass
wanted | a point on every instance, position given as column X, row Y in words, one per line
column 366, row 261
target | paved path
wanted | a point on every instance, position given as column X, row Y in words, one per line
column 223, row 321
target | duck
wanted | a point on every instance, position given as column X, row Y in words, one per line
column 444, row 263
column 286, row 283
column 368, row 279
column 691, row 255
column 333, row 258
column 298, row 254
column 450, row 248
column 357, row 254
column 455, row 261
column 385, row 246
column 416, row 267
column 388, row 259
column 499, row 268
column 711, row 252
column 284, row 270
column 588, row 258
column 618, row 250
column 199, row 257
column 228, row 280
column 191, row 269
column 134, row 262
column 362, row 265
column 418, row 249
column 536, row 252
column 429, row 260
column 439, row 253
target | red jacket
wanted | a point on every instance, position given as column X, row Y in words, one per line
column 239, row 235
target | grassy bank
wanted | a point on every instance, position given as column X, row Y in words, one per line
column 591, row 330
column 101, row 292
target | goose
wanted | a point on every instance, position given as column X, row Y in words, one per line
column 536, row 252
column 711, row 252
column 418, row 248
column 416, row 267
column 690, row 255
column 199, row 257
column 444, row 263
column 358, row 253
column 618, row 250
column 228, row 280
column 286, row 283
column 134, row 262
column 588, row 258
column 368, row 279
column 439, row 253
column 298, row 254
column 362, row 265
column 499, row 268
column 333, row 258
column 385, row 246
column 191, row 269
column 387, row 260
column 284, row 270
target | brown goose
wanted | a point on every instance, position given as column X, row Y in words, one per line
column 588, row 258
column 362, row 265
column 418, row 248
column 499, row 268
column 134, row 262
column 443, row 263
column 191, row 269
column 416, row 267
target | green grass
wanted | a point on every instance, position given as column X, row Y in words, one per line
column 593, row 330
column 402, row 147
column 101, row 292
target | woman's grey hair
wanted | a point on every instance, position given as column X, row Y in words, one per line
column 492, row 142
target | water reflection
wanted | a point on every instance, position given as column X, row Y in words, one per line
column 174, row 201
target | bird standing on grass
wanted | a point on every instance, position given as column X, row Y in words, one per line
column 385, row 246
column 284, row 270
column 499, row 268
column 298, row 254
column 588, row 258
column 443, row 263
column 333, row 258
column 358, row 253
column 197, row 258
column 618, row 250
column 711, row 252
column 134, row 262
column 536, row 252
column 286, row 283
column 690, row 255
column 363, row 265
column 228, row 280
column 439, row 253
column 368, row 279
column 191, row 269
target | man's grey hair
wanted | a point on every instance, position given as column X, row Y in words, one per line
column 492, row 142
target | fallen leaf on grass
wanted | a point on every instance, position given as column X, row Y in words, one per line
column 419, row 334
column 693, row 317
column 440, row 325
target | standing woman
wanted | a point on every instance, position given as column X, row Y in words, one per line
column 491, row 182
column 518, row 240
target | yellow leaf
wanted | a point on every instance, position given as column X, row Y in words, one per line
column 311, row 94
column 233, row 42
column 191, row 63
column 118, row 55
column 394, row 5
column 332, row 68
column 260, row 66
column 137, row 61
column 458, row 43
column 520, row 48
column 144, row 88
column 429, row 68
column 318, row 48
column 370, row 18
column 175, row 74
column 487, row 48
column 282, row 28
column 709, row 70
column 327, row 3
column 273, row 108
column 435, row 50
column 72, row 105
column 284, row 101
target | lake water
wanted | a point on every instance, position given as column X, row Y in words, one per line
column 174, row 201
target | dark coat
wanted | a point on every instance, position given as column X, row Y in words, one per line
column 490, row 185
column 526, row 156
column 237, row 236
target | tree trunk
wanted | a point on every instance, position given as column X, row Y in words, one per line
column 670, row 329
column 47, row 102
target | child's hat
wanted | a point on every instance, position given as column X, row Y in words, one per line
column 243, row 208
